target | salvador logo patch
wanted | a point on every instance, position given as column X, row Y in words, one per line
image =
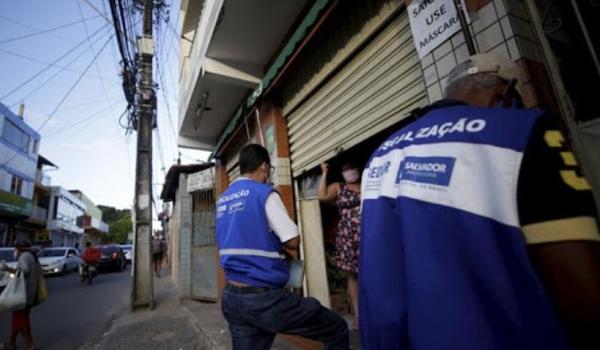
column 429, row 170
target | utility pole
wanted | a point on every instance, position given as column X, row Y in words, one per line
column 142, row 294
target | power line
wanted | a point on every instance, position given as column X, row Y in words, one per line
column 79, row 122
column 75, row 84
column 39, row 87
column 50, row 65
column 160, row 154
column 61, row 101
column 46, row 31
column 162, row 80
column 28, row 26
column 160, row 48
column 87, row 34
column 100, row 13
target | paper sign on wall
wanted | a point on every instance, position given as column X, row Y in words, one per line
column 432, row 22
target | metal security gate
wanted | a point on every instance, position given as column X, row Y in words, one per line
column 204, row 250
column 375, row 89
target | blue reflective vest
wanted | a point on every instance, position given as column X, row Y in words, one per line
column 250, row 252
column 443, row 260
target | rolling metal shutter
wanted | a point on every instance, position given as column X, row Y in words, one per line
column 377, row 88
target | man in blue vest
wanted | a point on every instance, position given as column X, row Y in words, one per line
column 478, row 229
column 256, row 237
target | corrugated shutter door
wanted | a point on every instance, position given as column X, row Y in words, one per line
column 233, row 173
column 375, row 90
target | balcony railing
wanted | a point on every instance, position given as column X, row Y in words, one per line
column 39, row 214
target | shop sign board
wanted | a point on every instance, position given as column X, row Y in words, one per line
column 12, row 204
column 202, row 180
column 432, row 23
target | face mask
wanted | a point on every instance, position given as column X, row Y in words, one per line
column 15, row 253
column 351, row 175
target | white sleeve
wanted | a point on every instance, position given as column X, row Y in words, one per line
column 278, row 218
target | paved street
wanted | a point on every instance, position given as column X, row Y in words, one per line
column 75, row 312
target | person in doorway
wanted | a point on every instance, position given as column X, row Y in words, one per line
column 165, row 256
column 478, row 228
column 346, row 196
column 158, row 249
column 256, row 238
column 27, row 264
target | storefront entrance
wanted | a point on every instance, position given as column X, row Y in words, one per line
column 318, row 222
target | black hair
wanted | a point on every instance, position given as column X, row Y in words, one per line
column 23, row 244
column 349, row 164
column 252, row 156
column 88, row 244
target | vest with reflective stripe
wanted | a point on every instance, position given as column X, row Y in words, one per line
column 443, row 261
column 250, row 252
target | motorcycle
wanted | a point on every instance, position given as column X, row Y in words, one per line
column 87, row 273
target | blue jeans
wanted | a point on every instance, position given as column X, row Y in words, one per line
column 255, row 318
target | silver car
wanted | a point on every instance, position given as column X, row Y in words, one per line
column 59, row 260
column 6, row 255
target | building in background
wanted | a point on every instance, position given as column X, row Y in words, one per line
column 91, row 221
column 19, row 147
column 191, row 230
column 64, row 210
column 37, row 223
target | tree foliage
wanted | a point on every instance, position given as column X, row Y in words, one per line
column 119, row 222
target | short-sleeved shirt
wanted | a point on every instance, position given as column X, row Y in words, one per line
column 278, row 218
column 554, row 199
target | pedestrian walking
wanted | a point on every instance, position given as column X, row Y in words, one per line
column 478, row 228
column 158, row 249
column 256, row 238
column 27, row 264
column 346, row 196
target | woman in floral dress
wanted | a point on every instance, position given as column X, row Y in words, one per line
column 346, row 196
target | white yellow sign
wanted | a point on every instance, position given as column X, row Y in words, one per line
column 432, row 22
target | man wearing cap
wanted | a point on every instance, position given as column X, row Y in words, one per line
column 478, row 229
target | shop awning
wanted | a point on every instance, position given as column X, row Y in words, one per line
column 294, row 41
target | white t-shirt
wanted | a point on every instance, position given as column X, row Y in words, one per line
column 277, row 217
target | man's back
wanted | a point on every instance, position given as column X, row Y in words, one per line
column 440, row 217
column 91, row 255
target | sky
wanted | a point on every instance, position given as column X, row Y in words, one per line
column 83, row 137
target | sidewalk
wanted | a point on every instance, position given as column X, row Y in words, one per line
column 166, row 327
column 174, row 324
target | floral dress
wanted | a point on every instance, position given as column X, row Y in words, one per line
column 347, row 241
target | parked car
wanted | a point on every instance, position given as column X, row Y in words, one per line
column 59, row 260
column 128, row 251
column 6, row 254
column 112, row 258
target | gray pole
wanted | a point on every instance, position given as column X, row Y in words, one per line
column 142, row 294
column 465, row 27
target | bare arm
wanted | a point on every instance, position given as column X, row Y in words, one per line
column 9, row 269
column 290, row 248
column 570, row 272
column 327, row 194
